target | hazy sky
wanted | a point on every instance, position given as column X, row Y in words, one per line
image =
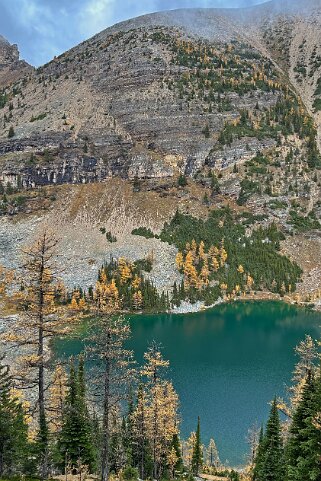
column 45, row 28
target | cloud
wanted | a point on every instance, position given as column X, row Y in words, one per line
column 95, row 14
column 45, row 28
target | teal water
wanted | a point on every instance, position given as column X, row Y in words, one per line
column 226, row 364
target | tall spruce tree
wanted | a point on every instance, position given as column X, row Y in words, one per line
column 259, row 458
column 273, row 462
column 197, row 456
column 304, row 446
column 177, row 447
column 75, row 442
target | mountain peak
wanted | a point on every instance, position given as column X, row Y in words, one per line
column 11, row 67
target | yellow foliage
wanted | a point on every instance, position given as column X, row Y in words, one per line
column 205, row 273
column 249, row 281
column 125, row 270
column 82, row 304
column 179, row 261
column 201, row 250
column 137, row 300
column 74, row 304
column 190, row 273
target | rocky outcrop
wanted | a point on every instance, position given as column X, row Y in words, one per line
column 11, row 67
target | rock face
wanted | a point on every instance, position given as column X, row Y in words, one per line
column 11, row 67
column 123, row 103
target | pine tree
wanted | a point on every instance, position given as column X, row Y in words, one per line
column 75, row 441
column 13, row 428
column 57, row 395
column 177, row 448
column 259, row 458
column 128, row 431
column 304, row 446
column 197, row 456
column 273, row 464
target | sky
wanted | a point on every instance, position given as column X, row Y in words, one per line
column 45, row 28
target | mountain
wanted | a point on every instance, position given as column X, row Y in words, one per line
column 111, row 88
column 11, row 67
column 120, row 120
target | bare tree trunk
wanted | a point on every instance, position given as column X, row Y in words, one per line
column 155, row 469
column 41, row 374
column 142, row 474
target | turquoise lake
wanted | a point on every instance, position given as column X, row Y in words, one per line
column 226, row 364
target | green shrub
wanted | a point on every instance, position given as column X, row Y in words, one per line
column 317, row 105
column 182, row 180
column 143, row 232
column 110, row 237
column 39, row 117
column 130, row 474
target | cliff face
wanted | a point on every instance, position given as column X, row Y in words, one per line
column 11, row 67
column 149, row 98
column 128, row 103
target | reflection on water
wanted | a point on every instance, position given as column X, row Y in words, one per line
column 226, row 364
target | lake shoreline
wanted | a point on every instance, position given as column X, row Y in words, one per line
column 189, row 308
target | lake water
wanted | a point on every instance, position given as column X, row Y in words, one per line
column 226, row 364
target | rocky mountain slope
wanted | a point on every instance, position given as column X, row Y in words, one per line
column 228, row 98
column 112, row 95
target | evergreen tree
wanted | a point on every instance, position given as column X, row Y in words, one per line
column 304, row 446
column 13, row 429
column 182, row 180
column 11, row 132
column 214, row 184
column 177, row 447
column 273, row 463
column 259, row 458
column 76, row 438
column 197, row 456
column 42, row 446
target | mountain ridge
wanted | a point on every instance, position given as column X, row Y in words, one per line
column 159, row 107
